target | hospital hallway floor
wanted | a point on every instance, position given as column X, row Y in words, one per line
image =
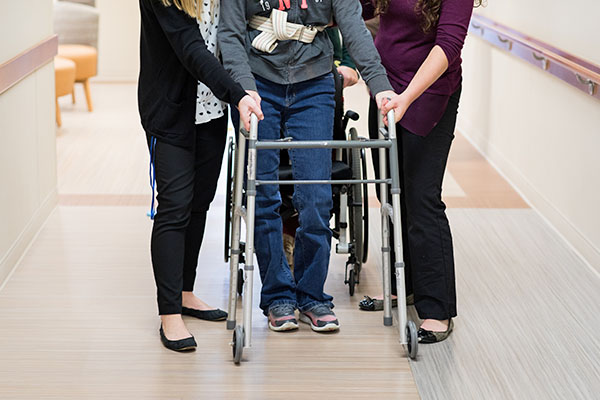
column 79, row 318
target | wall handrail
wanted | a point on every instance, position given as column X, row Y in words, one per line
column 24, row 64
column 580, row 73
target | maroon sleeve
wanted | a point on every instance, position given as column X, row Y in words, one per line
column 453, row 26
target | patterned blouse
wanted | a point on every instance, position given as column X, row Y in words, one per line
column 208, row 107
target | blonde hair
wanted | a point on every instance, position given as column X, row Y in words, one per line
column 192, row 8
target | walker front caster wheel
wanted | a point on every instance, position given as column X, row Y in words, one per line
column 238, row 344
column 412, row 344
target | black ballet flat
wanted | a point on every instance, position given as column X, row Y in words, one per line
column 187, row 344
column 370, row 304
column 209, row 315
column 428, row 337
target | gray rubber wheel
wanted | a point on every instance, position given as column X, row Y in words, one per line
column 238, row 344
column 412, row 344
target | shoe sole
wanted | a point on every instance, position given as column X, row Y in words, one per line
column 330, row 327
column 184, row 349
column 288, row 326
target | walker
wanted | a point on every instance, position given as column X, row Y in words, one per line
column 387, row 142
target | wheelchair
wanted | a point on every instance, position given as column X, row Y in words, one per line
column 350, row 211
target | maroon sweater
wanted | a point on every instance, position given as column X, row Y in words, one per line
column 404, row 47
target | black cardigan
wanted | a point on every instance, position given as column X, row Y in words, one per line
column 173, row 59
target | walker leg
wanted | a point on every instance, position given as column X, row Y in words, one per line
column 238, row 179
column 385, row 236
column 397, row 226
column 250, row 211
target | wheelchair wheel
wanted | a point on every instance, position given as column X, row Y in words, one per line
column 356, row 209
column 240, row 282
column 229, row 196
column 351, row 282
column 365, row 253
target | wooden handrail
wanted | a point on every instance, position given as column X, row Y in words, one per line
column 18, row 68
column 580, row 73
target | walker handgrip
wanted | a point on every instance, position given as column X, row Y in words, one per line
column 253, row 125
column 391, row 128
column 391, row 116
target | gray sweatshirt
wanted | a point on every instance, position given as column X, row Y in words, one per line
column 293, row 61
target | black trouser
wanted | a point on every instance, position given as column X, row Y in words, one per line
column 428, row 252
column 186, row 181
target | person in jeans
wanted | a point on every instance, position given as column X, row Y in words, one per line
column 278, row 50
column 186, row 128
column 346, row 69
column 420, row 42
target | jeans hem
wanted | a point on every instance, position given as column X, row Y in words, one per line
column 279, row 302
column 309, row 306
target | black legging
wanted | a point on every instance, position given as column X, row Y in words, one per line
column 428, row 251
column 186, row 180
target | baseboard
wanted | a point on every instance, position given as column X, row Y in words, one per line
column 538, row 202
column 18, row 249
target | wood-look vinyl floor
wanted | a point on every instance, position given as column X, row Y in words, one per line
column 79, row 321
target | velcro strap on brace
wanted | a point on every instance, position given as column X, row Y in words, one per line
column 276, row 28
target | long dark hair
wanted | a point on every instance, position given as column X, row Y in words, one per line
column 429, row 10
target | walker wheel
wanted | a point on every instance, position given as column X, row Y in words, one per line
column 238, row 344
column 240, row 281
column 351, row 281
column 412, row 340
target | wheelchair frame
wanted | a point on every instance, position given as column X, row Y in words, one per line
column 387, row 142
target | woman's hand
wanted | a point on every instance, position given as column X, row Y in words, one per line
column 399, row 103
column 382, row 97
column 248, row 106
column 255, row 96
column 350, row 75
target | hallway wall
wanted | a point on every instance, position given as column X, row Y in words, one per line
column 543, row 134
column 27, row 133
column 119, row 40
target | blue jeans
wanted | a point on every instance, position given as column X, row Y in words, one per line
column 302, row 111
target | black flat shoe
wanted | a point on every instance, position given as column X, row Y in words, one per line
column 186, row 344
column 428, row 337
column 370, row 304
column 209, row 315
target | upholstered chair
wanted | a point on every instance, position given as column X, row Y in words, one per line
column 77, row 28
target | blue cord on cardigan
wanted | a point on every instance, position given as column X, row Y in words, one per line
column 152, row 172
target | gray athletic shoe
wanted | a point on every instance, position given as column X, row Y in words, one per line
column 321, row 319
column 282, row 317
